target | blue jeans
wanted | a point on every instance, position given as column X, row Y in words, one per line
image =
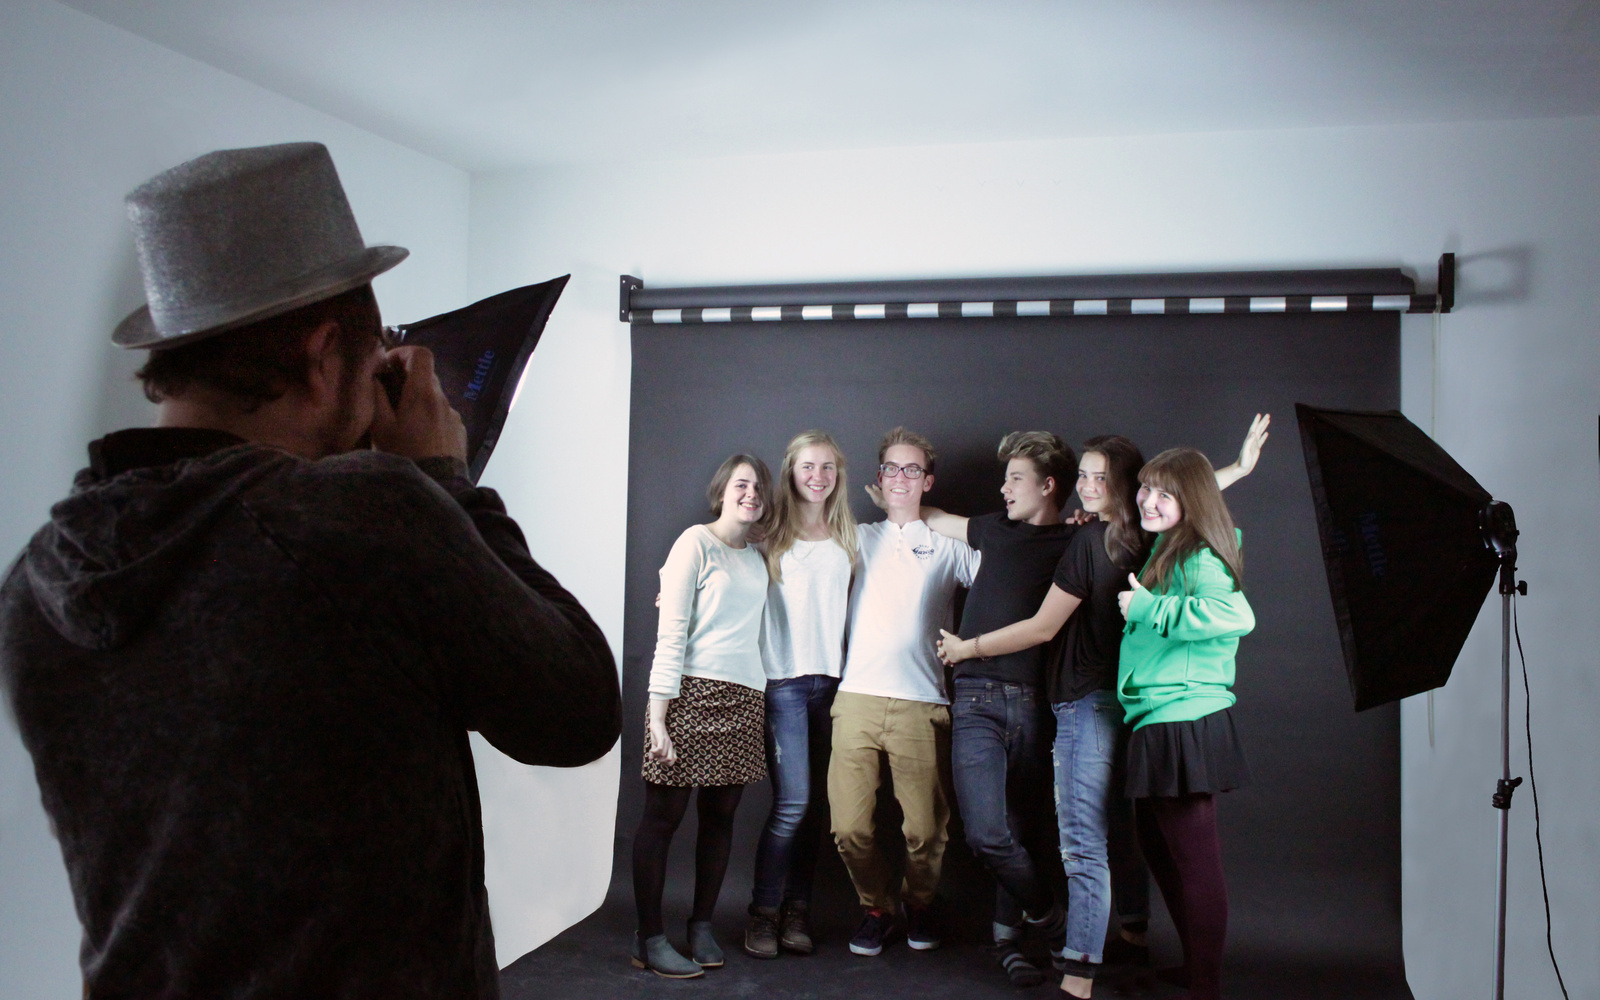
column 997, row 738
column 799, row 734
column 1095, row 822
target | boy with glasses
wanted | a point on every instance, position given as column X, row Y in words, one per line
column 891, row 700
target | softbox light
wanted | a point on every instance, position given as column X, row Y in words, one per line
column 1404, row 543
column 479, row 353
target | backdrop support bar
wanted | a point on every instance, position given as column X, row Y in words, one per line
column 1007, row 309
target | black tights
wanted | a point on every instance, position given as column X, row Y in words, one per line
column 664, row 806
column 1179, row 838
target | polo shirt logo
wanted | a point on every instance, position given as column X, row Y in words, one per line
column 922, row 551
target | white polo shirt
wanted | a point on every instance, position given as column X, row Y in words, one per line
column 905, row 581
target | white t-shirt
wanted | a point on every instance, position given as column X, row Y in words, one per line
column 710, row 624
column 904, row 586
column 802, row 630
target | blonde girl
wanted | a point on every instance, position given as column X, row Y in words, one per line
column 810, row 551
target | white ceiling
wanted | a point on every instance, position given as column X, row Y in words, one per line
column 495, row 84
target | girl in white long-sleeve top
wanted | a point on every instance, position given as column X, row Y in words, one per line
column 706, row 721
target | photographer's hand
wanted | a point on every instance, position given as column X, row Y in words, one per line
column 424, row 425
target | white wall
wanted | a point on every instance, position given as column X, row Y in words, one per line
column 87, row 112
column 1516, row 396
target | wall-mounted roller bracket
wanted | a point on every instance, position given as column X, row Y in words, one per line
column 630, row 284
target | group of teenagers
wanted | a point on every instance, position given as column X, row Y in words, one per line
column 1095, row 654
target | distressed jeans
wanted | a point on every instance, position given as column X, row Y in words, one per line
column 1095, row 822
column 998, row 735
column 799, row 734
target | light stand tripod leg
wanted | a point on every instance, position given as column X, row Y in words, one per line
column 1507, row 784
column 1505, row 781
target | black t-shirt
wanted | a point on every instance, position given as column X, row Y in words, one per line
column 1087, row 660
column 1012, row 582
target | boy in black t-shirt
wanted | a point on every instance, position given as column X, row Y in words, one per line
column 1000, row 714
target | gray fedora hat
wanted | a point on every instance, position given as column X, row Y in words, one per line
column 239, row 235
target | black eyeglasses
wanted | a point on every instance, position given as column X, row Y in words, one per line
column 890, row 470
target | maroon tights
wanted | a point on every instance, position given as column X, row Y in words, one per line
column 1179, row 839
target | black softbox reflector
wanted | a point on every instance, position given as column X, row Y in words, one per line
column 1404, row 545
column 479, row 353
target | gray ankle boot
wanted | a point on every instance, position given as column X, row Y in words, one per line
column 657, row 954
column 702, row 946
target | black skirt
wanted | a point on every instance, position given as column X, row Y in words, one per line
column 1169, row 759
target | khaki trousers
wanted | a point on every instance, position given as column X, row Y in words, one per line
column 915, row 737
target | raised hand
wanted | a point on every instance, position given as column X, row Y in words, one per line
column 876, row 493
column 1250, row 451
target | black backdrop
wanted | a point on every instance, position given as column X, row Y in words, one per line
column 1313, row 847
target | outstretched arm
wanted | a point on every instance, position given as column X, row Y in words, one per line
column 947, row 524
column 1249, row 452
column 1058, row 606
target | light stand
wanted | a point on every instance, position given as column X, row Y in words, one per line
column 1412, row 545
column 1500, row 532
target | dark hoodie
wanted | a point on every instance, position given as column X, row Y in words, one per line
column 246, row 680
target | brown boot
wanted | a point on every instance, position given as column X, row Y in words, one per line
column 794, row 927
column 761, row 933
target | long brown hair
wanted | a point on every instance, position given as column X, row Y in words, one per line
column 785, row 521
column 1189, row 477
column 1127, row 544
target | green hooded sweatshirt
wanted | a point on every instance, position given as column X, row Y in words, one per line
column 1179, row 644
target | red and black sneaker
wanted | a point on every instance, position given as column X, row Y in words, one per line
column 876, row 926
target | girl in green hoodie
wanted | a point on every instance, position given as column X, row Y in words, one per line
column 1185, row 614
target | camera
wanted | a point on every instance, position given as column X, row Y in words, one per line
column 392, row 376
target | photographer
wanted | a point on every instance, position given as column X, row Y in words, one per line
column 245, row 656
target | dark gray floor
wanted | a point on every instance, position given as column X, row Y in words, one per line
column 1290, row 938
column 590, row 962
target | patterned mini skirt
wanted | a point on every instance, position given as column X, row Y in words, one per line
column 718, row 729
